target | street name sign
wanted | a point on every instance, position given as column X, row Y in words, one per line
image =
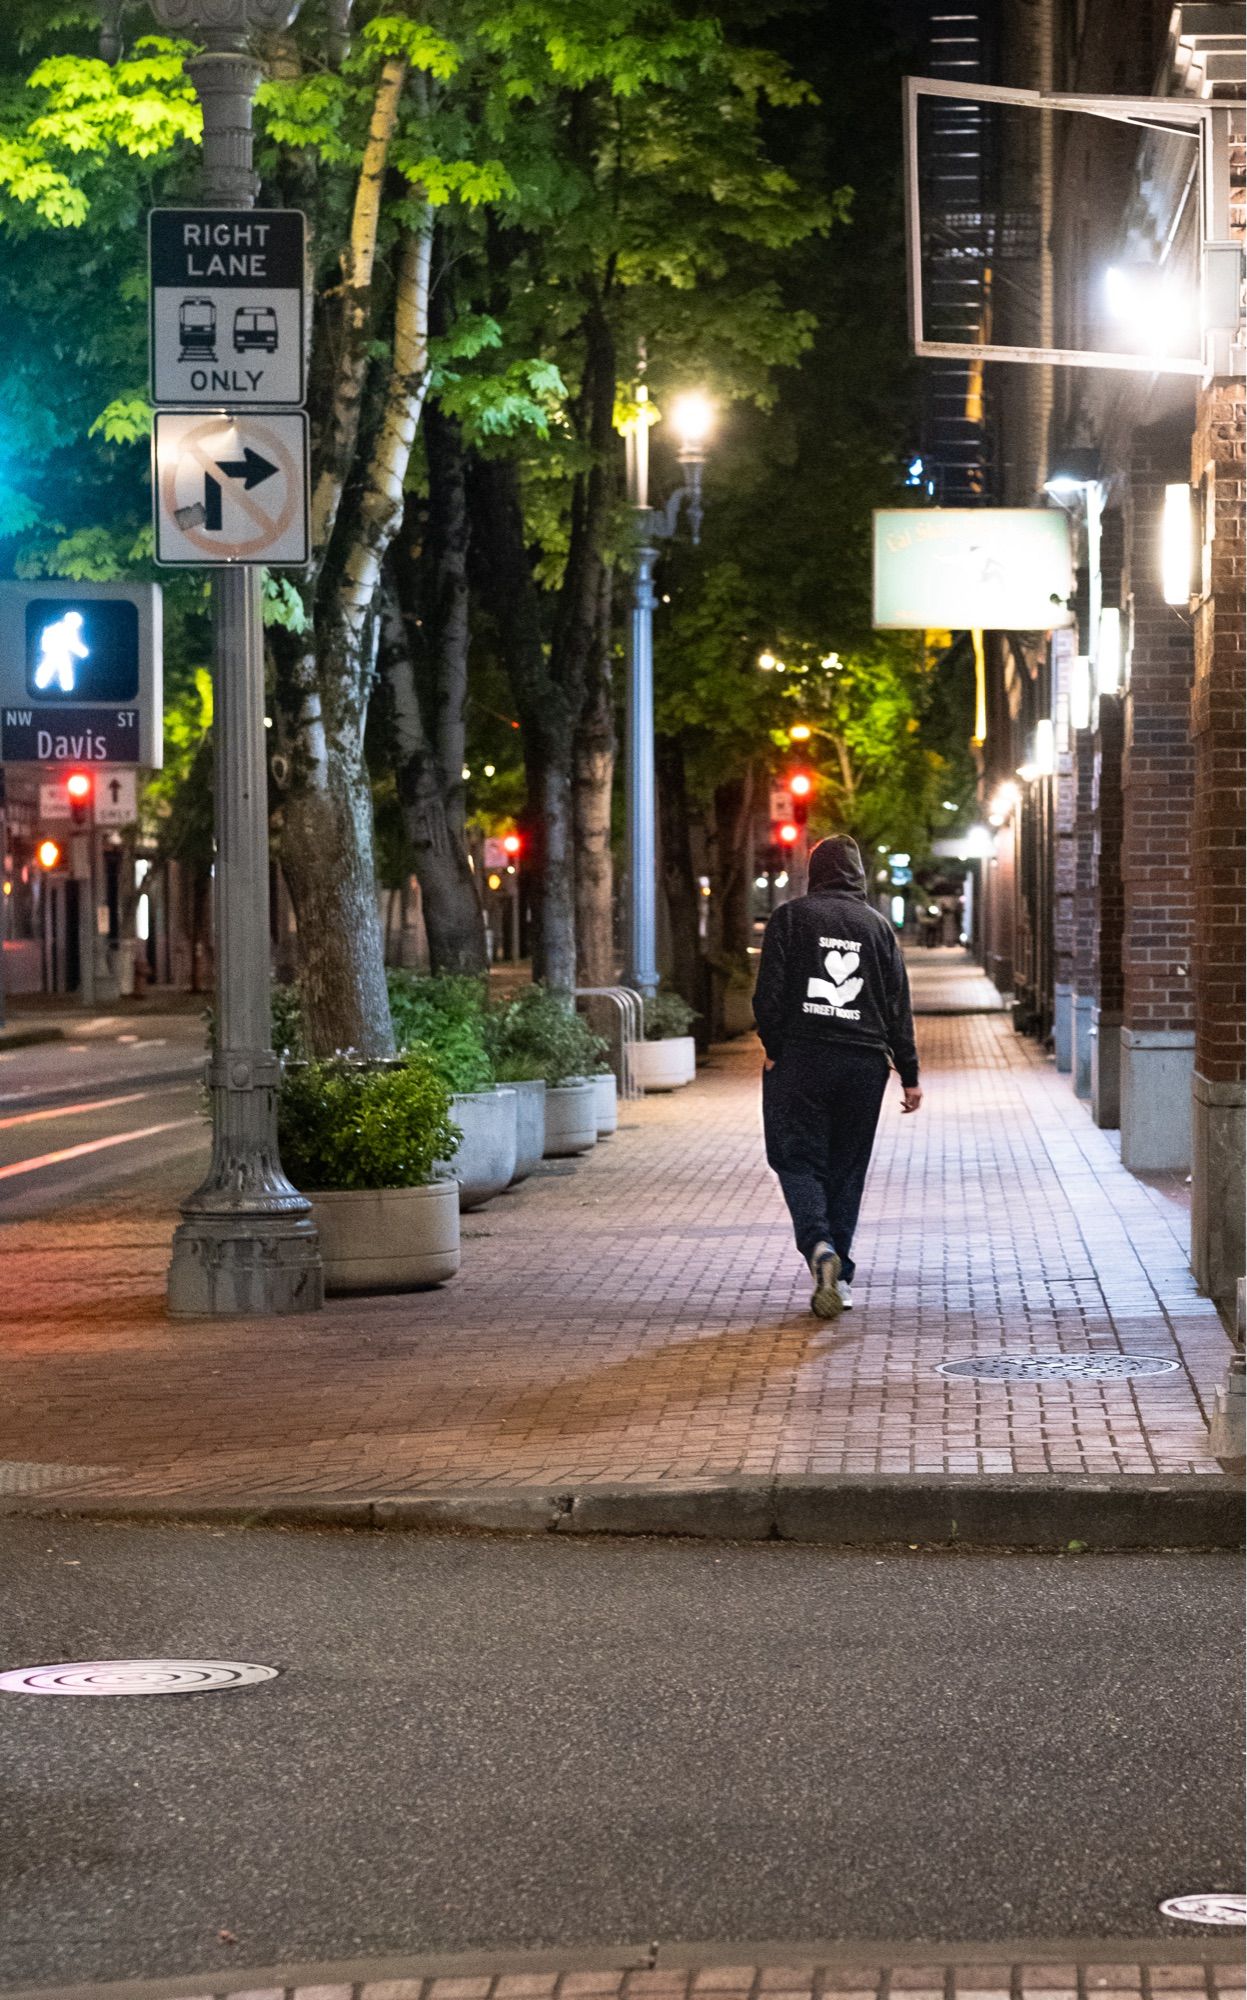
column 961, row 569
column 80, row 674
column 230, row 487
column 228, row 313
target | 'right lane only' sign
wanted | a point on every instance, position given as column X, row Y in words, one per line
column 227, row 306
column 230, row 488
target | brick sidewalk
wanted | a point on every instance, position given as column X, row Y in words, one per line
column 644, row 1319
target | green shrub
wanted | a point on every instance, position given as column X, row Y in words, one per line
column 344, row 1124
column 538, row 1034
column 667, row 1017
column 445, row 1015
column 287, row 1012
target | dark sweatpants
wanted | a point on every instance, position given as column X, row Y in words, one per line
column 820, row 1108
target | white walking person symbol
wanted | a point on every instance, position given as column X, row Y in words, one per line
column 59, row 646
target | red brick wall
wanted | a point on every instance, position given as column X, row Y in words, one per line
column 1158, row 767
column 1218, row 720
column 1107, row 822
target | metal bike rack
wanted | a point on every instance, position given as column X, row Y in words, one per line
column 631, row 1016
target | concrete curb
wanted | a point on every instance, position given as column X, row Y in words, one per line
column 28, row 1038
column 958, row 1511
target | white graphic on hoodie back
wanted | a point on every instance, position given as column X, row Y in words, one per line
column 840, row 987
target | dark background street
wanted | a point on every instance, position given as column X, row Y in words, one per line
column 518, row 1742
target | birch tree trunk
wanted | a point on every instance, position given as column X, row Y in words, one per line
column 689, row 971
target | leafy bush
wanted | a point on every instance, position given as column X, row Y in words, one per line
column 537, row 1034
column 446, row 1016
column 667, row 1017
column 288, row 1021
column 344, row 1124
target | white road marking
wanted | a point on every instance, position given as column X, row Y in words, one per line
column 93, row 1146
column 74, row 1110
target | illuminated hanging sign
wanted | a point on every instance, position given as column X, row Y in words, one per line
column 972, row 568
column 80, row 674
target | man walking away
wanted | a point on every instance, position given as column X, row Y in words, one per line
column 832, row 1004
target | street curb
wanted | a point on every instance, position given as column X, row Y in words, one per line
column 28, row 1038
column 957, row 1511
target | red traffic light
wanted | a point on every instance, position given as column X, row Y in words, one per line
column 78, row 785
column 788, row 833
column 49, row 855
column 801, row 784
column 512, row 843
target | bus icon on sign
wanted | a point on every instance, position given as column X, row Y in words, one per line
column 255, row 327
column 197, row 330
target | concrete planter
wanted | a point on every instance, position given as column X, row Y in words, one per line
column 664, row 1065
column 388, row 1239
column 530, row 1127
column 606, row 1103
column 571, row 1118
column 485, row 1160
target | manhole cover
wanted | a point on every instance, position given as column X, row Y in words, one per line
column 136, row 1677
column 1057, row 1367
column 1230, row 1910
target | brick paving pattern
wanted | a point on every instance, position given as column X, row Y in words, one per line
column 1207, row 1980
column 644, row 1318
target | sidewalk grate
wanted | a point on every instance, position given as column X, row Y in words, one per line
column 105, row 1677
column 1057, row 1367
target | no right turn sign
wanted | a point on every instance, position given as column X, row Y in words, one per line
column 230, row 488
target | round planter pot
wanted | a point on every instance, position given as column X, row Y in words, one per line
column 530, row 1127
column 388, row 1239
column 485, row 1159
column 571, row 1118
column 664, row 1065
column 606, row 1103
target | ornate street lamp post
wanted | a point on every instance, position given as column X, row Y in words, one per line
column 246, row 1245
column 692, row 417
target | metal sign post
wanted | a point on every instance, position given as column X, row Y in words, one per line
column 246, row 1245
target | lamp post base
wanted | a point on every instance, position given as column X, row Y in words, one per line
column 244, row 1267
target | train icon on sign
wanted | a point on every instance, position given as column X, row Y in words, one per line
column 197, row 330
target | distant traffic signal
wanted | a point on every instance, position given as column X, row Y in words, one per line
column 51, row 856
column 513, row 844
column 789, row 834
column 801, row 785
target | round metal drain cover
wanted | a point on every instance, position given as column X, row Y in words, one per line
column 136, row 1677
column 1229, row 1910
column 1057, row 1367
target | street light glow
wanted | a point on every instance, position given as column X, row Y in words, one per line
column 800, row 732
column 693, row 417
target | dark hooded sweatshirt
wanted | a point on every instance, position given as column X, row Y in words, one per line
column 832, row 969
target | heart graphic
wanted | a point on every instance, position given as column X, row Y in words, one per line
column 841, row 965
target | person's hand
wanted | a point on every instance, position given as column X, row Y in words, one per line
column 767, row 1063
column 911, row 1097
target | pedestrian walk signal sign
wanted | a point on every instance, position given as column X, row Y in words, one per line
column 80, row 673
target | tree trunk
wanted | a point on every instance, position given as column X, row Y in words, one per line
column 326, row 849
column 424, row 654
column 545, row 714
column 593, row 784
column 733, row 808
column 689, row 970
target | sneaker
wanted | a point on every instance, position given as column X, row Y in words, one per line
column 845, row 1289
column 826, row 1302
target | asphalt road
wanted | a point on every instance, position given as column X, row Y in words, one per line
column 77, row 1117
column 477, row 1743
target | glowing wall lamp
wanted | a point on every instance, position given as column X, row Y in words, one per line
column 1177, row 545
column 1044, row 756
column 1108, row 661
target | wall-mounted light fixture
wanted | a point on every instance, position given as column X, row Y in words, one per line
column 1043, row 755
column 1177, row 545
column 1108, row 660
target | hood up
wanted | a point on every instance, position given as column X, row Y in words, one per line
column 837, row 864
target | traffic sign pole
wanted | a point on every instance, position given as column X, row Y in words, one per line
column 246, row 1245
